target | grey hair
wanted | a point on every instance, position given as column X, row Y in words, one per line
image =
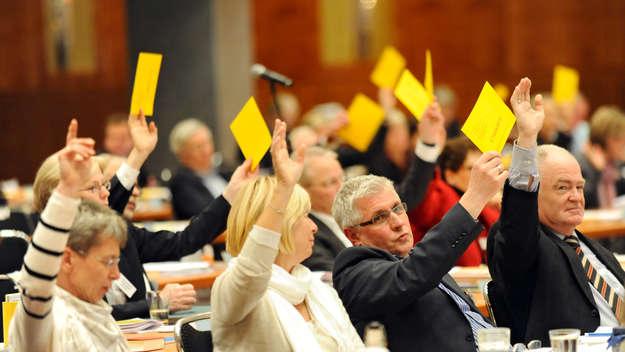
column 311, row 153
column 544, row 150
column 93, row 220
column 344, row 208
column 182, row 131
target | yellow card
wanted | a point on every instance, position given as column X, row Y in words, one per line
column 502, row 90
column 412, row 94
column 365, row 118
column 428, row 81
column 8, row 311
column 490, row 121
column 251, row 132
column 146, row 78
column 565, row 84
column 388, row 68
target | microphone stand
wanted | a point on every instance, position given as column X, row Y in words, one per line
column 272, row 89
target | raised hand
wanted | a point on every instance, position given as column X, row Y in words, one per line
column 432, row 124
column 529, row 120
column 75, row 161
column 287, row 171
column 144, row 137
column 241, row 176
column 487, row 178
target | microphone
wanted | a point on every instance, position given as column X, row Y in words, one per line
column 271, row 76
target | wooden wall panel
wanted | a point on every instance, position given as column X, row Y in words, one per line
column 36, row 107
column 471, row 41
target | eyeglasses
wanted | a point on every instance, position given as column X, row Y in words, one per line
column 381, row 218
column 108, row 263
column 97, row 188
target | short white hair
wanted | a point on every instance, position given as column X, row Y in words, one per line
column 182, row 131
column 344, row 209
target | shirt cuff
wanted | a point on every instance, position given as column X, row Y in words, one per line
column 426, row 152
column 524, row 169
column 265, row 237
column 127, row 176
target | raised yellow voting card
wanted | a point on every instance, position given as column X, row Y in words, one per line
column 428, row 81
column 365, row 118
column 490, row 121
column 146, row 79
column 502, row 90
column 251, row 132
column 565, row 84
column 388, row 68
column 412, row 94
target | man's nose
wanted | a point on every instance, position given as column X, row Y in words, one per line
column 394, row 220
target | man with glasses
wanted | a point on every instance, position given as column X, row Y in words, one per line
column 383, row 278
column 322, row 177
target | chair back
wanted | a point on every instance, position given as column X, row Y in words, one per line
column 13, row 245
column 489, row 307
column 190, row 339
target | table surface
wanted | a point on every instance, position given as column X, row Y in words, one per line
column 204, row 279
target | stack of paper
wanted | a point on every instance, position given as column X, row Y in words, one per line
column 137, row 324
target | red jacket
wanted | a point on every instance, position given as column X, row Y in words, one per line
column 439, row 198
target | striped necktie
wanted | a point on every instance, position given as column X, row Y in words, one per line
column 595, row 279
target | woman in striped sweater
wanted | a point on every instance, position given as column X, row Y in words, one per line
column 81, row 261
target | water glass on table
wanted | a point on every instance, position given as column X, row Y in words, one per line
column 159, row 306
column 493, row 340
column 564, row 340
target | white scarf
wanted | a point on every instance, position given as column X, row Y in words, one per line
column 89, row 327
column 287, row 290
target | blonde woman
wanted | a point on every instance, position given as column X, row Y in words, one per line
column 266, row 300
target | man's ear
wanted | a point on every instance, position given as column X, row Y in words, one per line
column 352, row 236
column 67, row 260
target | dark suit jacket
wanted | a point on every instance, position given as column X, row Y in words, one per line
column 327, row 246
column 544, row 285
column 145, row 246
column 403, row 293
column 412, row 190
column 189, row 195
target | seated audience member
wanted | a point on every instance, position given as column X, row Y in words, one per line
column 323, row 176
column 81, row 260
column 196, row 184
column 449, row 106
column 551, row 275
column 118, row 140
column 302, row 135
column 602, row 160
column 109, row 164
column 383, row 278
column 266, row 300
column 554, row 126
column 580, row 129
column 146, row 246
column 444, row 191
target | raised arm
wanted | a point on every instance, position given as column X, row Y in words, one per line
column 32, row 325
column 414, row 185
column 240, row 288
column 144, row 138
column 517, row 237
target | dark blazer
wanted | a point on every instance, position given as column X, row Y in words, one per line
column 145, row 246
column 403, row 293
column 327, row 246
column 544, row 285
column 189, row 195
column 412, row 190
